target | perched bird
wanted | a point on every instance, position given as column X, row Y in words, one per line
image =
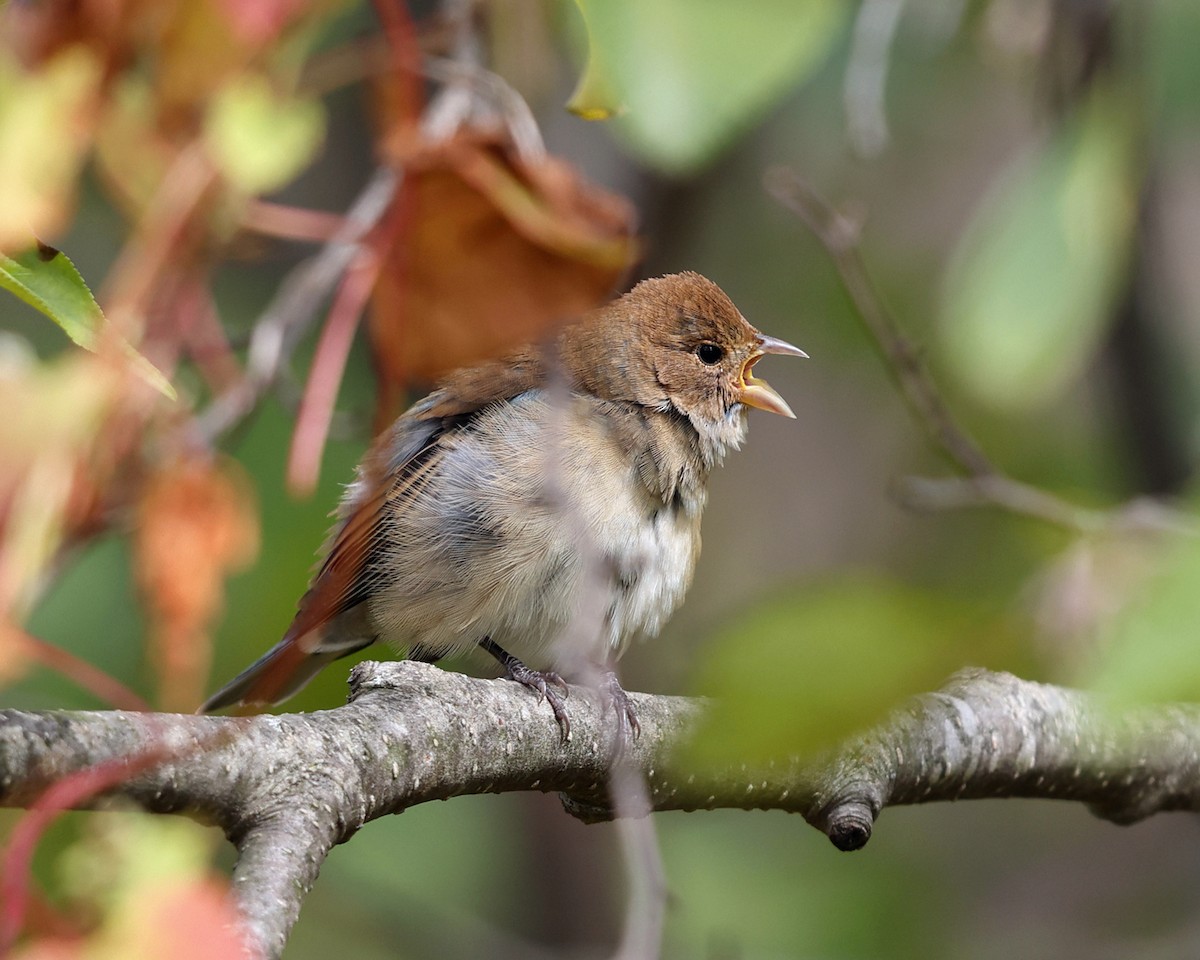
column 544, row 507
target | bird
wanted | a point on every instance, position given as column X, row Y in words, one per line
column 543, row 507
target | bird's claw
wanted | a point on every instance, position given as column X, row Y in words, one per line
column 543, row 683
column 615, row 698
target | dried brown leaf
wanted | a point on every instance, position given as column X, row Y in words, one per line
column 494, row 251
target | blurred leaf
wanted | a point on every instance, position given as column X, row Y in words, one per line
column 1030, row 291
column 596, row 96
column 1174, row 68
column 151, row 877
column 544, row 246
column 1150, row 647
column 196, row 523
column 1079, row 592
column 803, row 671
column 51, row 466
column 783, row 892
column 130, row 153
column 260, row 22
column 45, row 123
column 689, row 76
column 47, row 280
column 121, row 855
column 259, row 139
column 197, row 54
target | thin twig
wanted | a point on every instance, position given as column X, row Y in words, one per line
column 646, row 902
column 317, row 403
column 290, row 223
column 161, row 230
column 86, row 675
column 984, row 483
column 490, row 95
column 295, row 306
column 1141, row 515
column 865, row 86
column 840, row 237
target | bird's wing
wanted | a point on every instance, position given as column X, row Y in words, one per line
column 401, row 461
column 330, row 621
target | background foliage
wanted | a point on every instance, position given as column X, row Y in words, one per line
column 1025, row 176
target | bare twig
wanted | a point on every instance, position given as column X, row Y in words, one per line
column 984, row 484
column 86, row 675
column 1141, row 515
column 646, row 902
column 489, row 93
column 628, row 794
column 840, row 237
column 155, row 244
column 315, row 415
column 291, row 223
column 295, row 305
column 867, row 73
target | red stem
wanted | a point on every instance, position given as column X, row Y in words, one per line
column 69, row 792
column 325, row 377
column 405, row 53
column 291, row 223
column 86, row 675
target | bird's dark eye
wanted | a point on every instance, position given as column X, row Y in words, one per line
column 709, row 353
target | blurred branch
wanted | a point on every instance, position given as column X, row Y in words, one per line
column 286, row 789
column 85, row 675
column 295, row 306
column 1140, row 515
column 984, row 484
column 864, row 93
column 840, row 235
column 291, row 223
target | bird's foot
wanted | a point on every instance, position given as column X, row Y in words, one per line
column 616, row 699
column 543, row 682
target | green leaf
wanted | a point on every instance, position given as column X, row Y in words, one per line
column 262, row 140
column 803, row 671
column 47, row 280
column 688, row 76
column 1150, row 648
column 1030, row 292
column 1172, row 67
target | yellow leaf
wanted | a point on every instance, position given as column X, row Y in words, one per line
column 259, row 139
column 45, row 125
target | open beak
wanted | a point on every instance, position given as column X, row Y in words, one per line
column 758, row 393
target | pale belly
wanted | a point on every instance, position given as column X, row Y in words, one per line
column 538, row 535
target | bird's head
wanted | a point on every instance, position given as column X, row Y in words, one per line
column 678, row 343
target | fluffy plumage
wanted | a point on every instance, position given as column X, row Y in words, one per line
column 548, row 502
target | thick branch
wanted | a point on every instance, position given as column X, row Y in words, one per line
column 286, row 788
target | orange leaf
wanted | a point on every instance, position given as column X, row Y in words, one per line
column 196, row 524
column 191, row 920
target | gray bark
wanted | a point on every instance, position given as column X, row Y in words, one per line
column 286, row 789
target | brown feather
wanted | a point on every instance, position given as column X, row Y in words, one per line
column 658, row 415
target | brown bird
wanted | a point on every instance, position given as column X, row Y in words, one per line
column 544, row 507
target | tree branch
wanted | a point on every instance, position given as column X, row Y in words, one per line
column 982, row 483
column 286, row 789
